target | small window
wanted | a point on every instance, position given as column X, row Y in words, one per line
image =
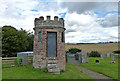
column 39, row 36
column 62, row 38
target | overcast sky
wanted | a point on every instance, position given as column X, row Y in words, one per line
column 85, row 22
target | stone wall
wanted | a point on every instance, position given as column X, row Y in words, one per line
column 40, row 48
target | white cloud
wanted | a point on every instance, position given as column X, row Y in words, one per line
column 76, row 19
column 12, row 13
column 81, row 27
column 113, row 31
column 84, row 28
column 19, row 14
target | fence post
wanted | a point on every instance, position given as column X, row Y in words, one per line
column 27, row 59
column 23, row 61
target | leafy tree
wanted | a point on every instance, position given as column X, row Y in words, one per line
column 117, row 51
column 13, row 41
column 30, row 39
column 0, row 42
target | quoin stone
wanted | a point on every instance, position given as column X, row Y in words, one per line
column 49, row 44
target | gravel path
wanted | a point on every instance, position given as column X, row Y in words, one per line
column 96, row 76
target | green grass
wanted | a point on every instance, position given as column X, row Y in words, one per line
column 28, row 72
column 103, row 67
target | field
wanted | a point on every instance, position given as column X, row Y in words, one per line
column 28, row 72
column 103, row 67
column 100, row 47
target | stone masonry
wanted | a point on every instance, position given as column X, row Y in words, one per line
column 40, row 58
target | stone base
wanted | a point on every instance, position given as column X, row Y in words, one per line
column 52, row 66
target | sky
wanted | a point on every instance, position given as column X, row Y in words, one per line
column 85, row 22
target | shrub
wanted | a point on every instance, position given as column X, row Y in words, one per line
column 118, row 51
column 94, row 54
column 73, row 50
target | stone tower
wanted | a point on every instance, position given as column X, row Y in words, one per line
column 49, row 43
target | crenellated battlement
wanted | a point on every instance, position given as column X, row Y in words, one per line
column 57, row 22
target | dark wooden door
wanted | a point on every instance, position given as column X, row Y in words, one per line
column 51, row 44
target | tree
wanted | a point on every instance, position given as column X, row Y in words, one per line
column 0, row 42
column 30, row 38
column 73, row 50
column 13, row 41
column 117, row 51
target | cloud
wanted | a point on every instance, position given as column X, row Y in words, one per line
column 107, row 6
column 21, row 13
column 16, row 13
column 82, row 7
column 81, row 21
column 79, row 7
column 85, row 28
column 110, row 20
column 76, row 19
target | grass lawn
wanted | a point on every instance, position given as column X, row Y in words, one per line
column 28, row 72
column 104, row 67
